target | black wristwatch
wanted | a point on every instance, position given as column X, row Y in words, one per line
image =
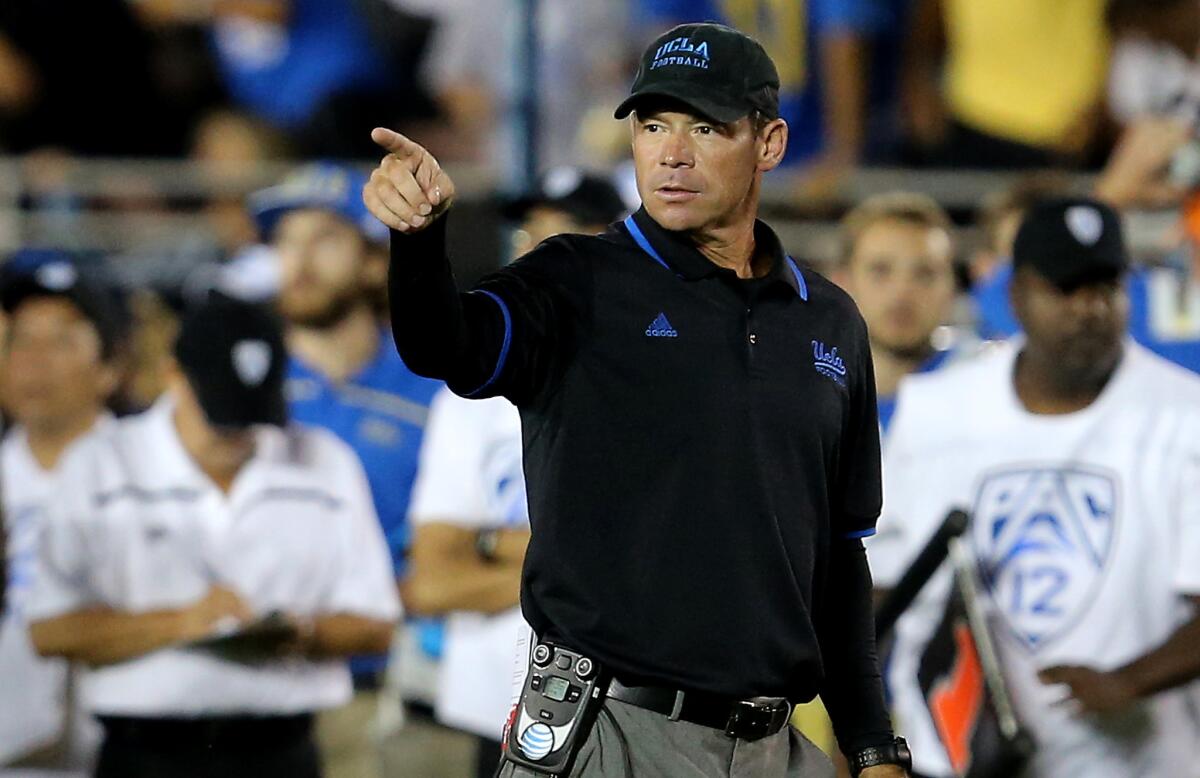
column 486, row 543
column 896, row 753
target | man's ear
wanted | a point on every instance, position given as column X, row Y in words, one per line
column 772, row 144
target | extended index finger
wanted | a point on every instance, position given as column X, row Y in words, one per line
column 394, row 142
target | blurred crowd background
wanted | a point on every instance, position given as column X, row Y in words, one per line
column 142, row 142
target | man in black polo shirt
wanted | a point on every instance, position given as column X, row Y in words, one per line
column 701, row 444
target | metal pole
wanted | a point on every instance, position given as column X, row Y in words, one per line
column 528, row 61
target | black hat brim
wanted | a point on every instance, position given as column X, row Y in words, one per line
column 698, row 99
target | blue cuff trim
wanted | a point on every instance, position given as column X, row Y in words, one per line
column 635, row 232
column 865, row 533
column 801, row 286
column 503, row 346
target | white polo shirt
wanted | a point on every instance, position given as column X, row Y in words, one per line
column 1088, row 527
column 470, row 475
column 141, row 528
column 32, row 689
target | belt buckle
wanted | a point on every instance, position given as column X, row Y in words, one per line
column 756, row 718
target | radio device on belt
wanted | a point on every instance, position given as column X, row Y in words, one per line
column 563, row 692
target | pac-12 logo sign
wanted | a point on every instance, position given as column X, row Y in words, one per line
column 1043, row 537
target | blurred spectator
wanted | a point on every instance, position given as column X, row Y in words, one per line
column 583, row 53
column 230, row 146
column 314, row 69
column 1005, row 83
column 469, row 512
column 1076, row 453
column 81, row 82
column 1155, row 69
column 991, row 265
column 837, row 63
column 344, row 374
column 897, row 262
column 216, row 628
column 61, row 366
column 1164, row 300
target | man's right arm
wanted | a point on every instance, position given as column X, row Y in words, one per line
column 503, row 338
column 98, row 635
column 448, row 573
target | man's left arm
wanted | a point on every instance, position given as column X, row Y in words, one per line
column 1175, row 663
column 853, row 691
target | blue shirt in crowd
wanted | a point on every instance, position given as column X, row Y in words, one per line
column 283, row 73
column 1164, row 312
column 887, row 402
column 792, row 32
column 381, row 414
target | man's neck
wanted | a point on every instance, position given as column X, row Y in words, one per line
column 730, row 247
column 196, row 439
column 340, row 351
column 1044, row 388
column 891, row 366
column 48, row 442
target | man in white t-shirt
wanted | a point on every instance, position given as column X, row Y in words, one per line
column 214, row 566
column 60, row 355
column 1077, row 453
column 468, row 505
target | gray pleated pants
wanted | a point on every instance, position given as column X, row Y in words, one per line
column 628, row 742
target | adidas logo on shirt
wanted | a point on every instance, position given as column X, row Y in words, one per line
column 661, row 328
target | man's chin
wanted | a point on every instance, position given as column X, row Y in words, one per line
column 676, row 217
column 909, row 349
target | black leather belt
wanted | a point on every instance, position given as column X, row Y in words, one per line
column 749, row 719
column 209, row 730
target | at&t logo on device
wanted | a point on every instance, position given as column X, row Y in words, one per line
column 537, row 741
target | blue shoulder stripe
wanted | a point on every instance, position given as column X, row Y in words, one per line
column 635, row 232
column 503, row 346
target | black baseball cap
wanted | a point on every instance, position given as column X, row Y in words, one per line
column 48, row 273
column 587, row 198
column 1072, row 242
column 719, row 72
column 233, row 355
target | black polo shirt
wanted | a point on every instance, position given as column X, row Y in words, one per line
column 694, row 443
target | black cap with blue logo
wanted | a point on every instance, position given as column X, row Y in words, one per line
column 719, row 72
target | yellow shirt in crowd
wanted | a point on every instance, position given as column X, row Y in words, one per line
column 1024, row 70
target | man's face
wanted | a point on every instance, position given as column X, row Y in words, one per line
column 1080, row 330
column 901, row 275
column 693, row 173
column 321, row 257
column 54, row 369
column 545, row 221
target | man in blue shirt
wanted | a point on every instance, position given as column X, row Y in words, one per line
column 345, row 375
column 897, row 261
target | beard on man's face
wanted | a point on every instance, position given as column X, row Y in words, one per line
column 319, row 311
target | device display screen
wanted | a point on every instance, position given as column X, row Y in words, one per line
column 556, row 688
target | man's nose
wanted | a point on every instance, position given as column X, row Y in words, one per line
column 677, row 151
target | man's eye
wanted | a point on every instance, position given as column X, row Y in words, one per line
column 704, row 130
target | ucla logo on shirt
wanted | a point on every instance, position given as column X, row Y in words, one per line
column 681, row 51
column 829, row 363
column 1043, row 538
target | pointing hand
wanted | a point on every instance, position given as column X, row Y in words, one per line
column 409, row 190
